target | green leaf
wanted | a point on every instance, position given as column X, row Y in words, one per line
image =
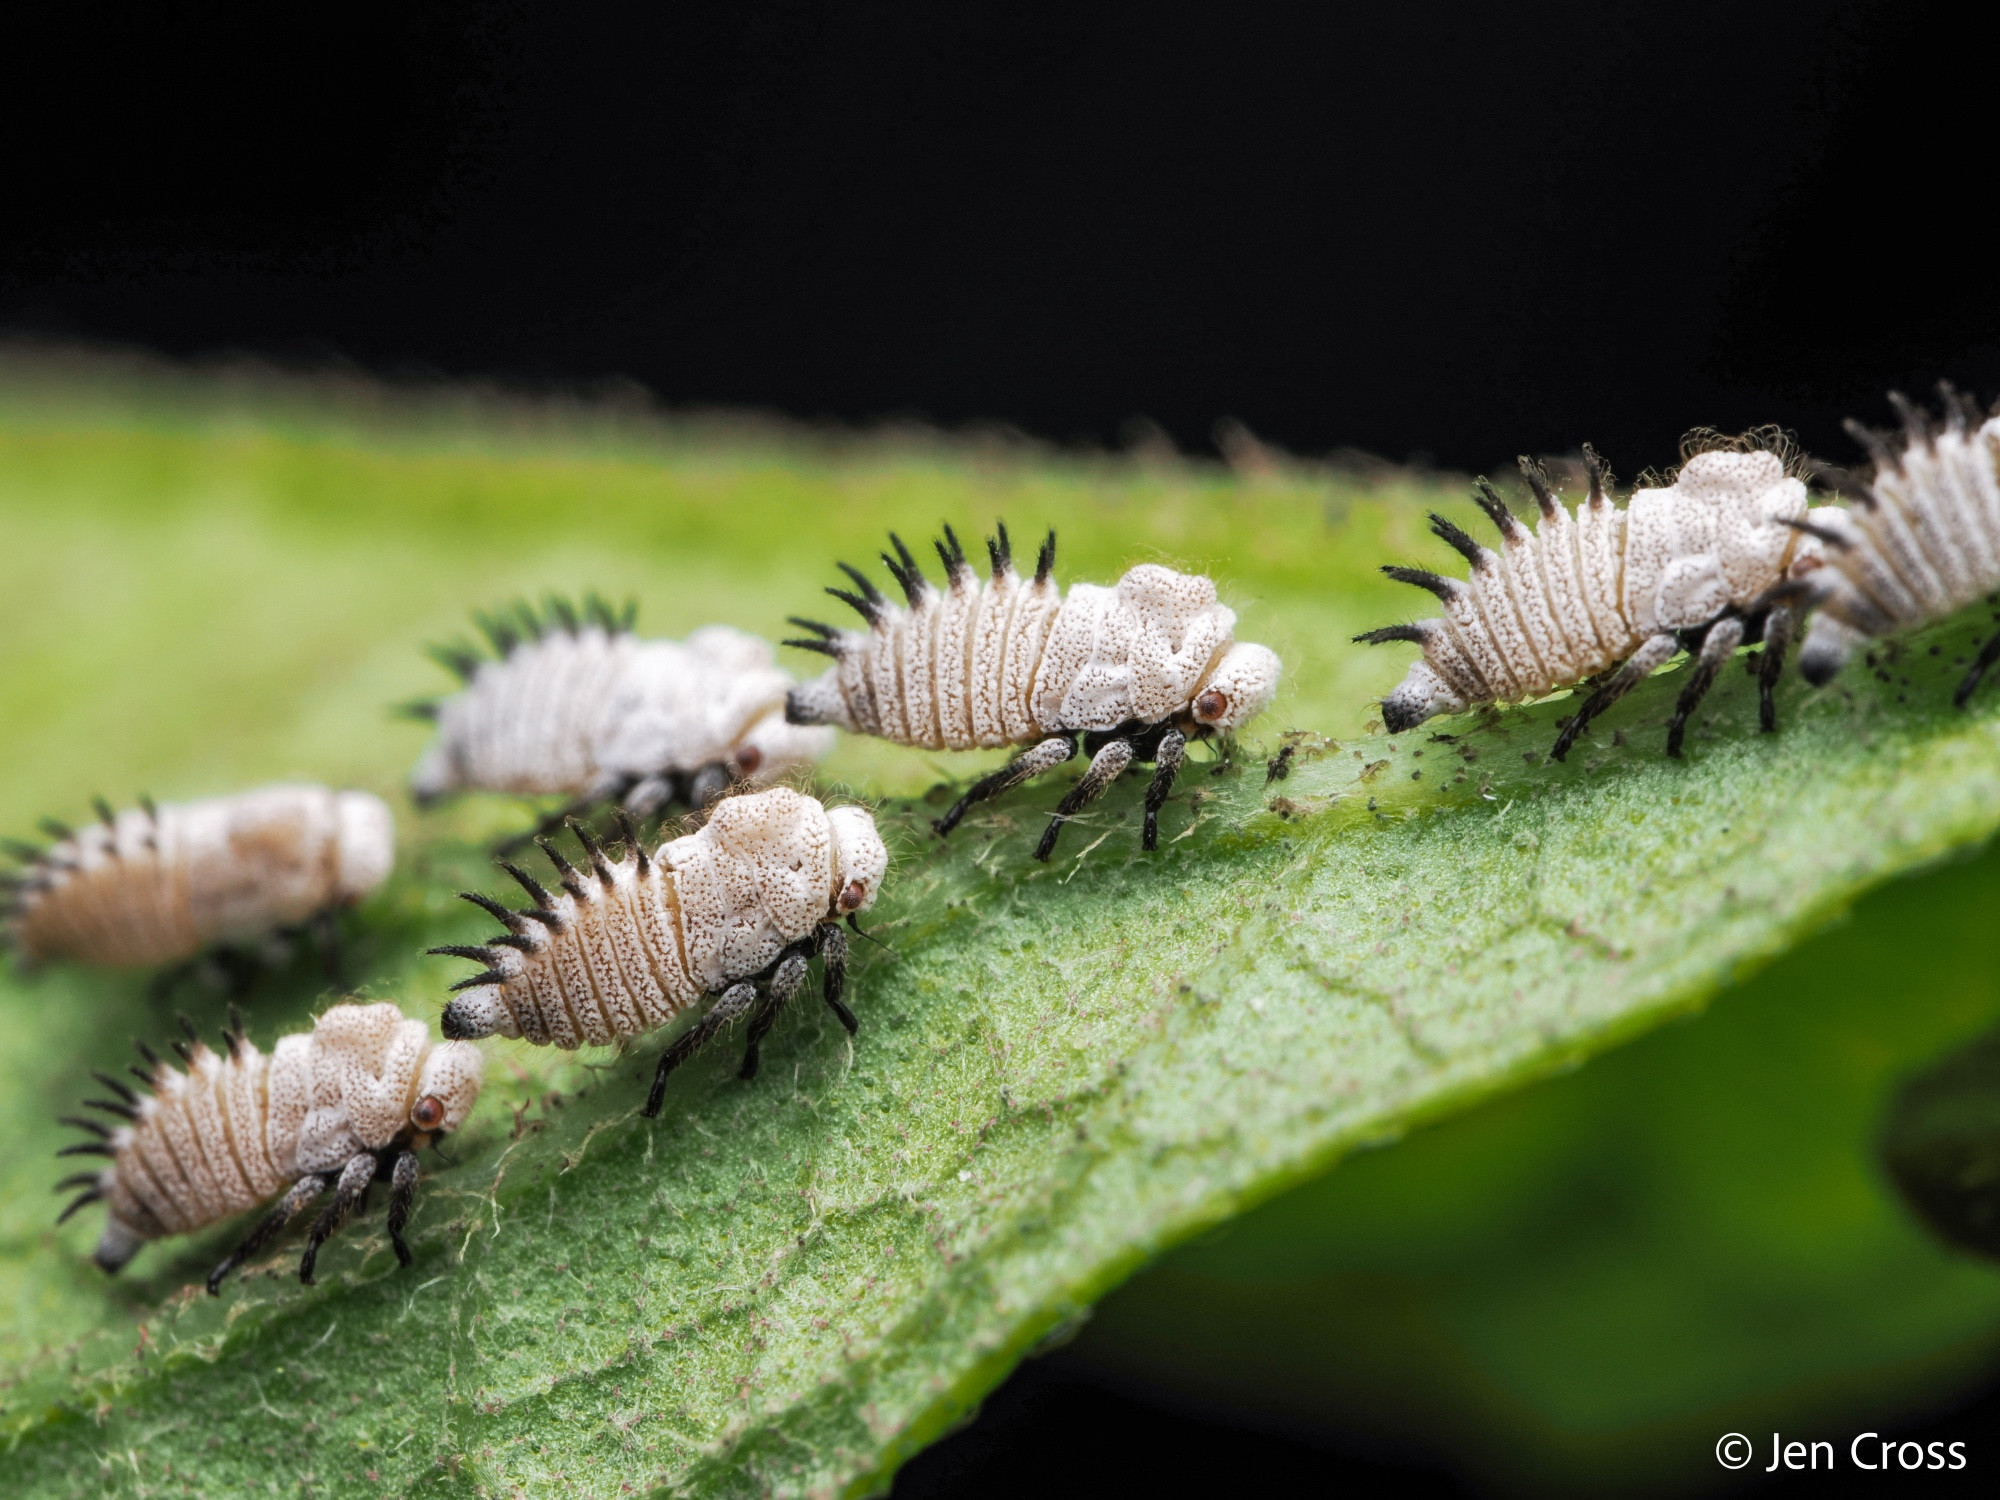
column 1583, row 1285
column 793, row 1285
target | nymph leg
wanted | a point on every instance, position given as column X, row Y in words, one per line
column 833, row 957
column 1166, row 766
column 785, row 983
column 267, row 1229
column 732, row 1007
column 402, row 1193
column 1046, row 756
column 1105, row 767
column 1653, row 654
column 348, row 1194
column 1988, row 654
column 1723, row 637
column 1779, row 626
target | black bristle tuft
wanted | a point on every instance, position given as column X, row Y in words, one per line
column 146, row 1054
column 508, row 919
column 424, row 710
column 491, row 976
column 824, row 632
column 104, row 813
column 634, row 844
column 564, row 613
column 112, row 1107
column 1464, row 545
column 181, row 1051
column 499, row 630
column 1444, row 588
column 1598, row 471
column 516, row 941
column 22, row 851
column 1538, row 481
column 114, row 1085
column 1000, row 549
column 1388, row 633
column 1916, row 421
column 102, row 1132
column 88, row 1148
column 149, row 807
column 822, row 648
column 1488, row 500
column 56, row 829
column 570, row 880
column 548, row 919
column 860, row 604
column 463, row 950
column 1045, row 560
column 74, row 1181
column 606, row 876
column 460, row 660
column 1877, row 447
column 90, row 1196
column 537, row 892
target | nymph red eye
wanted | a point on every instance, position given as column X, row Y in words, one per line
column 1211, row 706
column 428, row 1113
column 852, row 897
column 747, row 760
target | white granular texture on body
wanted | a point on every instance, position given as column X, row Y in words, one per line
column 580, row 712
column 155, row 886
column 236, row 1129
column 1008, row 661
column 1923, row 543
column 1581, row 593
column 634, row 943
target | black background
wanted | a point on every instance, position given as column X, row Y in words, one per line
column 1458, row 232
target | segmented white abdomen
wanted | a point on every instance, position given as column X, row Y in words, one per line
column 239, row 1127
column 1580, row 594
column 155, row 884
column 587, row 708
column 631, row 943
column 1921, row 541
column 1003, row 661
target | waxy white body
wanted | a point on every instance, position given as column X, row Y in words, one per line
column 236, row 1130
column 634, row 943
column 159, row 885
column 1582, row 593
column 1008, row 661
column 585, row 712
column 1923, row 543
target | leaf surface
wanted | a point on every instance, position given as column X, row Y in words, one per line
column 792, row 1285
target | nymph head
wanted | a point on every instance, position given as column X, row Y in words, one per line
column 860, row 859
column 1241, row 687
column 447, row 1087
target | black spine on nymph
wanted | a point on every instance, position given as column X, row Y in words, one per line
column 481, row 955
column 149, row 808
column 499, row 630
column 488, row 976
column 537, row 891
column 1387, row 633
column 1464, row 545
column 1444, row 588
column 1916, row 421
column 458, row 659
column 1832, row 538
column 903, row 568
column 1960, row 409
column 628, row 827
column 1496, row 510
column 869, row 602
column 22, row 850
column 1538, row 481
column 951, row 554
column 1598, row 471
column 1000, row 550
column 56, row 829
column 104, row 813
column 1869, row 438
column 570, row 880
column 114, row 1085
column 828, row 643
column 1045, row 560
column 563, row 613
column 605, row 875
column 513, row 921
